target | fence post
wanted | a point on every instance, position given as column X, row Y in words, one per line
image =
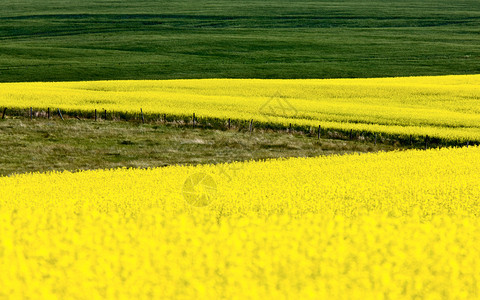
column 426, row 142
column 228, row 123
column 193, row 120
column 164, row 118
column 31, row 113
column 143, row 118
column 4, row 112
column 290, row 128
column 95, row 115
column 60, row 113
column 375, row 138
column 251, row 126
column 319, row 131
column 105, row 115
column 48, row 113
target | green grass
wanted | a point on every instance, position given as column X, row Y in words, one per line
column 45, row 145
column 90, row 40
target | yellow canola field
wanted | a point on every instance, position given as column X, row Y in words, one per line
column 439, row 106
column 396, row 225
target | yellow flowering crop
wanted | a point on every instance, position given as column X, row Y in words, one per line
column 442, row 106
column 376, row 226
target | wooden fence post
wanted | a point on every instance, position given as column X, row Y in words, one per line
column 105, row 115
column 251, row 126
column 426, row 142
column 143, row 118
column 31, row 113
column 228, row 123
column 48, row 113
column 193, row 120
column 290, row 128
column 4, row 112
column 319, row 131
column 95, row 115
column 60, row 113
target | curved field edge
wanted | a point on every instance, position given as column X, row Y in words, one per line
column 443, row 107
column 383, row 182
column 401, row 224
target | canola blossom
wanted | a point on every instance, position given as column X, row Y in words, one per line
column 395, row 225
column 439, row 106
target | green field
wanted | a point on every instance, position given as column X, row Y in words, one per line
column 44, row 145
column 57, row 40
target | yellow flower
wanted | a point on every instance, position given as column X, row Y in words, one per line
column 380, row 225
